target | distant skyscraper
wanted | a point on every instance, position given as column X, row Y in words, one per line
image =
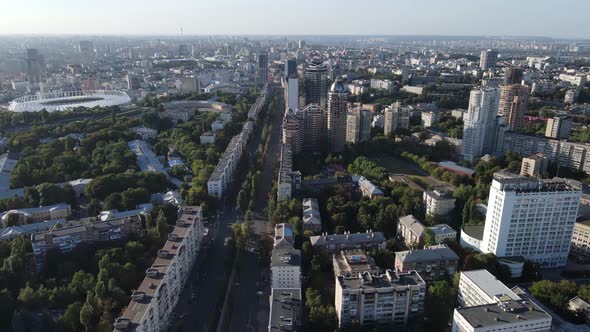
column 133, row 82
column 316, row 84
column 479, row 123
column 293, row 93
column 512, row 75
column 314, row 127
column 291, row 68
column 86, row 48
column 559, row 127
column 358, row 126
column 183, row 50
column 337, row 110
column 514, row 100
column 34, row 63
column 396, row 116
column 531, row 218
column 488, row 59
column 262, row 68
column 405, row 74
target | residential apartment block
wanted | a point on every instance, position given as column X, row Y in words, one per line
column 534, row 166
column 396, row 116
column 285, row 310
column 65, row 239
column 432, row 263
column 410, row 230
column 226, row 167
column 388, row 299
column 152, row 303
column 288, row 179
column 581, row 238
column 334, row 243
column 350, row 263
column 312, row 221
column 438, row 202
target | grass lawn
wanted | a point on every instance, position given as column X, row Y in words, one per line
column 396, row 165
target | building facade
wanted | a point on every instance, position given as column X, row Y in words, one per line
column 337, row 110
column 479, row 287
column 479, row 123
column 438, row 202
column 316, row 84
column 314, row 127
column 581, row 238
column 531, row 218
column 389, row 299
column 358, row 126
column 534, row 166
column 559, row 127
column 396, row 116
column 432, row 263
column 334, row 243
column 514, row 100
column 488, row 59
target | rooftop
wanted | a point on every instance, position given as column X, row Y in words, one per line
column 347, row 238
column 353, row 262
column 428, row 254
column 491, row 286
column 441, row 229
column 285, row 309
column 388, row 280
column 504, row 312
column 285, row 257
column 474, row 231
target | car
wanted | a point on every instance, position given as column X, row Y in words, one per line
column 259, row 292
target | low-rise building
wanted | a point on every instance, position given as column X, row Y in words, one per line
column 334, row 243
column 581, row 239
column 479, row 287
column 507, row 316
column 223, row 174
column 410, row 230
column 31, row 215
column 145, row 133
column 170, row 197
column 535, row 165
column 207, row 137
column 432, row 263
column 152, row 303
column 284, row 236
column 368, row 188
column 312, row 220
column 285, row 310
column 65, row 239
column 471, row 236
column 438, row 202
column 388, row 299
column 217, row 125
column 577, row 304
column 443, row 233
column 350, row 263
column 9, row 233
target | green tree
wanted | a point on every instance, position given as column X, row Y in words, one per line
column 440, row 301
column 71, row 317
column 429, row 237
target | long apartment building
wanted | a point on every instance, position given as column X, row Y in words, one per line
column 433, row 262
column 65, row 239
column 288, row 179
column 152, row 303
column 36, row 214
column 574, row 155
column 532, row 218
column 285, row 310
column 387, row 299
column 226, row 167
column 259, row 104
column 334, row 243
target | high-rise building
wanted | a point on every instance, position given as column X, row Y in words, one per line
column 479, row 123
column 337, row 110
column 512, row 75
column 34, row 66
column 133, row 82
column 292, row 93
column 188, row 84
column 405, row 74
column 290, row 68
column 396, row 116
column 358, row 126
column 532, row 218
column 559, row 127
column 534, row 165
column 293, row 130
column 514, row 100
column 488, row 59
column 262, row 68
column 389, row 299
column 314, row 127
column 316, row 84
column 86, row 49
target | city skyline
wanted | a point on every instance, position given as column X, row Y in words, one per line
column 264, row 18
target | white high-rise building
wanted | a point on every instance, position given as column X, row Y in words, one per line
column 358, row 126
column 532, row 218
column 480, row 123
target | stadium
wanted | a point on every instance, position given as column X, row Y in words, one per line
column 63, row 101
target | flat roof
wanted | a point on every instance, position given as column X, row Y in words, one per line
column 285, row 309
column 504, row 312
column 474, row 231
column 489, row 284
column 388, row 280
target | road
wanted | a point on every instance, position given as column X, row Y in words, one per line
column 202, row 299
column 250, row 311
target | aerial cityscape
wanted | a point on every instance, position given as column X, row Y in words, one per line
column 235, row 166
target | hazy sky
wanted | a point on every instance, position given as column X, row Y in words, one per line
column 552, row 18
